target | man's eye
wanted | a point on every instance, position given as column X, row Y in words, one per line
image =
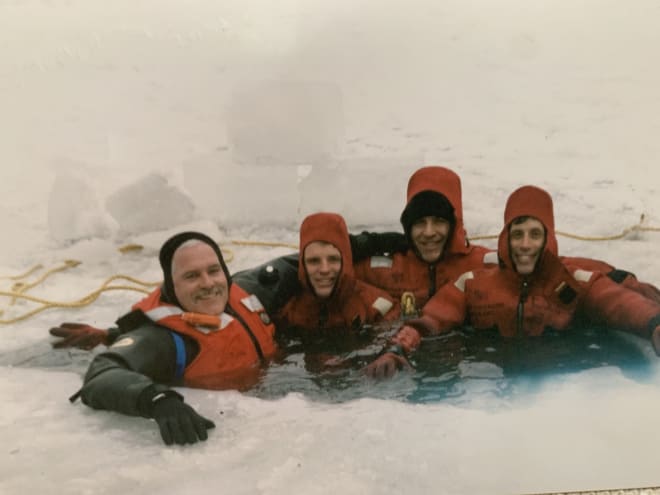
column 516, row 234
column 334, row 259
column 439, row 221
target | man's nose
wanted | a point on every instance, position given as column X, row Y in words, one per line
column 428, row 228
column 525, row 242
column 206, row 280
column 325, row 266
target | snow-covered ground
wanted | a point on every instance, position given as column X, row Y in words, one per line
column 124, row 122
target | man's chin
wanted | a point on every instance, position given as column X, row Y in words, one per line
column 210, row 307
column 524, row 268
column 431, row 256
column 323, row 292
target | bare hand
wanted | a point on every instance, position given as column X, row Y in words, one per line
column 387, row 366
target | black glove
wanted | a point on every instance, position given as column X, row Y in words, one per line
column 369, row 244
column 178, row 422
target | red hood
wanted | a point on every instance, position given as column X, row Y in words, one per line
column 448, row 183
column 327, row 227
column 528, row 201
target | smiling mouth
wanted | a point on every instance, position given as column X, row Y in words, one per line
column 431, row 247
column 431, row 242
column 205, row 296
column 525, row 260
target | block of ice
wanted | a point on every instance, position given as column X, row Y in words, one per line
column 149, row 204
column 75, row 212
column 239, row 195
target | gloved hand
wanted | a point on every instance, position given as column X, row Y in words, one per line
column 655, row 340
column 78, row 335
column 369, row 244
column 178, row 422
column 387, row 365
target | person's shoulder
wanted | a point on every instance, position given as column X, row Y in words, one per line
column 582, row 275
column 273, row 282
column 374, row 297
column 380, row 261
column 478, row 252
column 147, row 331
column 370, row 291
column 588, row 264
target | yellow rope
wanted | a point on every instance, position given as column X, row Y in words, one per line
column 130, row 279
column 23, row 275
column 262, row 243
column 624, row 233
column 84, row 301
column 483, row 237
column 634, row 228
column 19, row 291
column 22, row 287
column 128, row 248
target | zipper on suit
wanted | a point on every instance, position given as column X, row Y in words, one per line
column 520, row 315
column 324, row 316
column 431, row 280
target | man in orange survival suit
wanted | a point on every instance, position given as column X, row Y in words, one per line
column 439, row 250
column 530, row 291
column 330, row 298
column 198, row 329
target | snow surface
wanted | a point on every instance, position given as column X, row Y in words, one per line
column 249, row 114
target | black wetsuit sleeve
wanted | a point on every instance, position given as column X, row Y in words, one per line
column 274, row 282
column 126, row 323
column 367, row 244
column 136, row 368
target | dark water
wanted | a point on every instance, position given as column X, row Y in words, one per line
column 458, row 367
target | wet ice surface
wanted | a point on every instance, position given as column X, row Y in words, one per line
column 470, row 404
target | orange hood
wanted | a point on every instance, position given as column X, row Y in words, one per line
column 447, row 183
column 528, row 201
column 331, row 228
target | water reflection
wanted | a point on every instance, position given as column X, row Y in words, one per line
column 462, row 367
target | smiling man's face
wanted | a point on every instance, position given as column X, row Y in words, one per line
column 429, row 234
column 199, row 281
column 526, row 241
column 323, row 266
